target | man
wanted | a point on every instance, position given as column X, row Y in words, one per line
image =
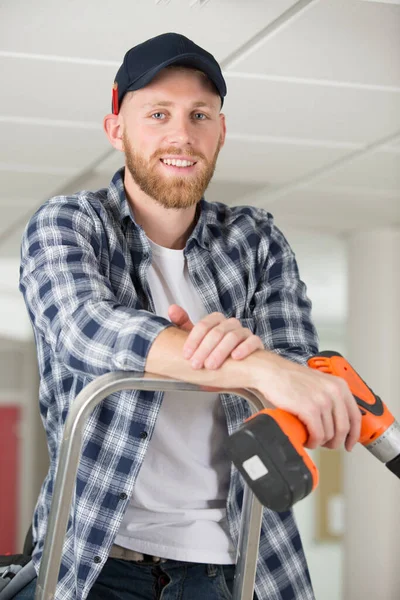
column 148, row 276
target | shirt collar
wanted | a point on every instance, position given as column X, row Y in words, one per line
column 205, row 211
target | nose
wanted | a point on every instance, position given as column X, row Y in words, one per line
column 181, row 131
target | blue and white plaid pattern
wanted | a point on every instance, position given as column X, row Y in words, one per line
column 83, row 277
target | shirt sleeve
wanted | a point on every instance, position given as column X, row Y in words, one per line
column 282, row 309
column 70, row 300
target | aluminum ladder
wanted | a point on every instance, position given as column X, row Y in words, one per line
column 70, row 452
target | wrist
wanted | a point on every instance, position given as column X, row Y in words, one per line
column 260, row 365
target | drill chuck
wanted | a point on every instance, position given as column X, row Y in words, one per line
column 387, row 446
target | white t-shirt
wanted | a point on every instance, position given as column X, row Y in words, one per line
column 177, row 509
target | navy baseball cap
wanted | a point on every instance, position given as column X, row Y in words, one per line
column 143, row 62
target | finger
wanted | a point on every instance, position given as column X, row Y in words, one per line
column 328, row 425
column 355, row 418
column 315, row 428
column 224, row 349
column 211, row 340
column 180, row 317
column 342, row 423
column 250, row 345
column 199, row 331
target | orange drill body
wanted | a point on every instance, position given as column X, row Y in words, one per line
column 269, row 450
column 376, row 418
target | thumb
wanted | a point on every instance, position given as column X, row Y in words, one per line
column 179, row 317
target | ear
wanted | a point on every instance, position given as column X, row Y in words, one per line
column 223, row 128
column 112, row 125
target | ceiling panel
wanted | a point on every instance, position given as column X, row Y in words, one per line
column 341, row 40
column 16, row 185
column 56, row 90
column 103, row 31
column 50, row 146
column 272, row 163
column 383, row 1
column 334, row 211
column 376, row 170
column 307, row 111
column 395, row 147
column 280, row 131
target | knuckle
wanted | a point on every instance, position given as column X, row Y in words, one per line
column 342, row 430
column 313, row 410
column 258, row 340
column 251, row 342
column 200, row 330
column 216, row 334
column 234, row 336
column 324, row 403
column 253, row 339
column 334, row 387
column 318, row 439
column 333, row 444
column 343, row 386
column 219, row 329
column 216, row 315
column 234, row 321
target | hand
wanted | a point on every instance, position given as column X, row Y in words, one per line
column 213, row 339
column 324, row 403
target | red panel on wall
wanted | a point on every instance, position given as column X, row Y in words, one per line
column 9, row 474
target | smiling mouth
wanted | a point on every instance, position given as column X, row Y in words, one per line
column 178, row 163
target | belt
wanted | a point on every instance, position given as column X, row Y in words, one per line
column 133, row 556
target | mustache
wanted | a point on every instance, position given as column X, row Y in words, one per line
column 178, row 152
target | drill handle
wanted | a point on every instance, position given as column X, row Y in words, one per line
column 376, row 417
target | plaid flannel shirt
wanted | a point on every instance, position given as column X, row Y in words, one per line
column 83, row 277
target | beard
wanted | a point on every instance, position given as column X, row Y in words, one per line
column 170, row 191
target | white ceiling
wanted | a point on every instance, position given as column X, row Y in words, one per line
column 313, row 106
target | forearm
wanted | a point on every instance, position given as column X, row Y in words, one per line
column 166, row 358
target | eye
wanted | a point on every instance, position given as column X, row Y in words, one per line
column 200, row 116
column 158, row 116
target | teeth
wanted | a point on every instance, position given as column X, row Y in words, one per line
column 177, row 162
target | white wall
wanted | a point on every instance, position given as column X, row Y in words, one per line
column 322, row 261
column 14, row 320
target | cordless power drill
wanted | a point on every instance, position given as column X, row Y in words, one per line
column 268, row 449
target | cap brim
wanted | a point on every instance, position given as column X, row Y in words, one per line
column 190, row 60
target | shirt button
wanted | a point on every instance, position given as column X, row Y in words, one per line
column 123, row 496
column 97, row 559
column 143, row 435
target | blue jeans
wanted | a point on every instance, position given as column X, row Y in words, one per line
column 172, row 580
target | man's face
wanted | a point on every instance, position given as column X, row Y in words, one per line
column 172, row 134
